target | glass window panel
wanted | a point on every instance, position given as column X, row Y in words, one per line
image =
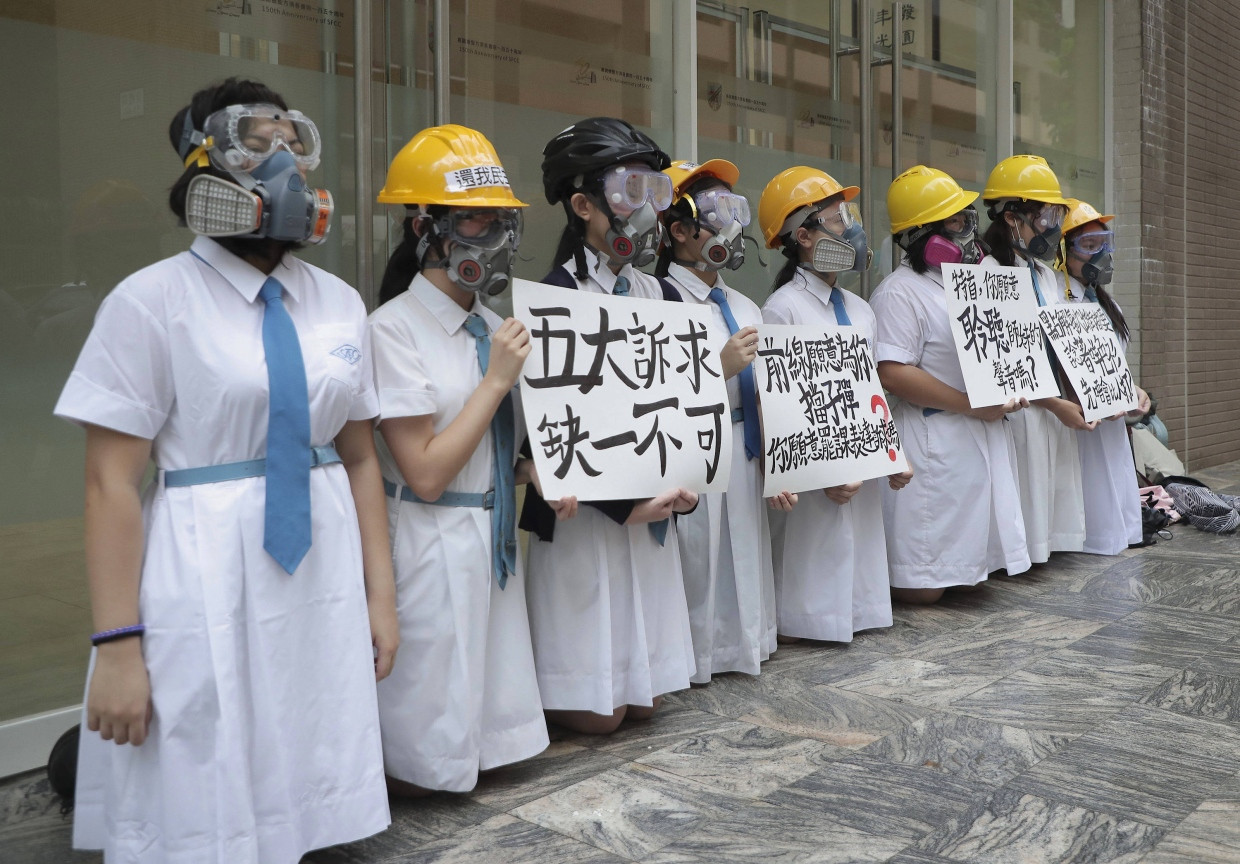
column 1057, row 49
column 90, row 165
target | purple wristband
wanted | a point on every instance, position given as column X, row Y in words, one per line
column 119, row 633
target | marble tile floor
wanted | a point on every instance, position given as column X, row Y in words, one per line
column 1088, row 711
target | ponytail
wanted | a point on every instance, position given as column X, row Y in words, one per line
column 402, row 266
column 785, row 274
column 1110, row 307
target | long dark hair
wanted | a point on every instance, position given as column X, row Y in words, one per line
column 402, row 266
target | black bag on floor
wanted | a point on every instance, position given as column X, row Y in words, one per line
column 62, row 767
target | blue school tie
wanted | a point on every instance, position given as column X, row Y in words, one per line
column 503, row 514
column 1037, row 289
column 837, row 303
column 749, row 397
column 286, row 524
column 621, row 288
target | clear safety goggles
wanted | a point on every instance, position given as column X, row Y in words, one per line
column 483, row 227
column 240, row 136
column 835, row 218
column 626, row 188
column 962, row 225
column 1093, row 242
column 717, row 208
column 1049, row 218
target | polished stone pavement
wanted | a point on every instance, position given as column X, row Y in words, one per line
column 1088, row 711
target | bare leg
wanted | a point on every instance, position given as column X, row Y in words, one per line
column 643, row 712
column 917, row 596
column 587, row 722
column 402, row 789
column 967, row 589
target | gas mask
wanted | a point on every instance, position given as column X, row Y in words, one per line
column 262, row 149
column 845, row 247
column 1094, row 250
column 1047, row 231
column 724, row 249
column 633, row 196
column 635, row 238
column 484, row 242
column 955, row 242
column 724, row 214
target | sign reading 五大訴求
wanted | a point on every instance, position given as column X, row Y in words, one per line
column 1091, row 356
column 825, row 421
column 622, row 397
column 993, row 312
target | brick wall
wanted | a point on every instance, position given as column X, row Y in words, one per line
column 1190, row 262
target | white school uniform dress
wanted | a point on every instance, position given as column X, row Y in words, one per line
column 1051, row 495
column 607, row 602
column 1109, row 478
column 959, row 518
column 462, row 695
column 725, row 544
column 264, row 740
column 830, row 559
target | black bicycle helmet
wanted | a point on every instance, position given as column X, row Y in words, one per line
column 589, row 146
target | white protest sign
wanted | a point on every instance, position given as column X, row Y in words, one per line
column 622, row 398
column 1092, row 358
column 825, row 421
column 994, row 319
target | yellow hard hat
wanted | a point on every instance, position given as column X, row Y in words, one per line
column 451, row 165
column 684, row 171
column 923, row 195
column 1026, row 177
column 1079, row 213
column 791, row 190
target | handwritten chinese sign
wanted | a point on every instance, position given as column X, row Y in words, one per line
column 622, row 396
column 994, row 318
column 825, row 421
column 1091, row 356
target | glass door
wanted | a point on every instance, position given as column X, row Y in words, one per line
column 784, row 86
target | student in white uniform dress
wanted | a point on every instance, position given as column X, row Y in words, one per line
column 1112, row 505
column 1026, row 206
column 264, row 584
column 606, row 598
column 463, row 696
column 960, row 518
column 725, row 544
column 830, row 556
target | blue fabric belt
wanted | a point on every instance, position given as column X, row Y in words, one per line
column 485, row 500
column 738, row 415
column 325, row 455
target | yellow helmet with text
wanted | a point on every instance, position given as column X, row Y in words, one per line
column 922, row 195
column 789, row 191
column 1026, row 177
column 449, row 165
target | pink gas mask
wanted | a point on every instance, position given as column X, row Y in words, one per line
column 940, row 250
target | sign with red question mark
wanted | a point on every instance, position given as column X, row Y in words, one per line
column 825, row 419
